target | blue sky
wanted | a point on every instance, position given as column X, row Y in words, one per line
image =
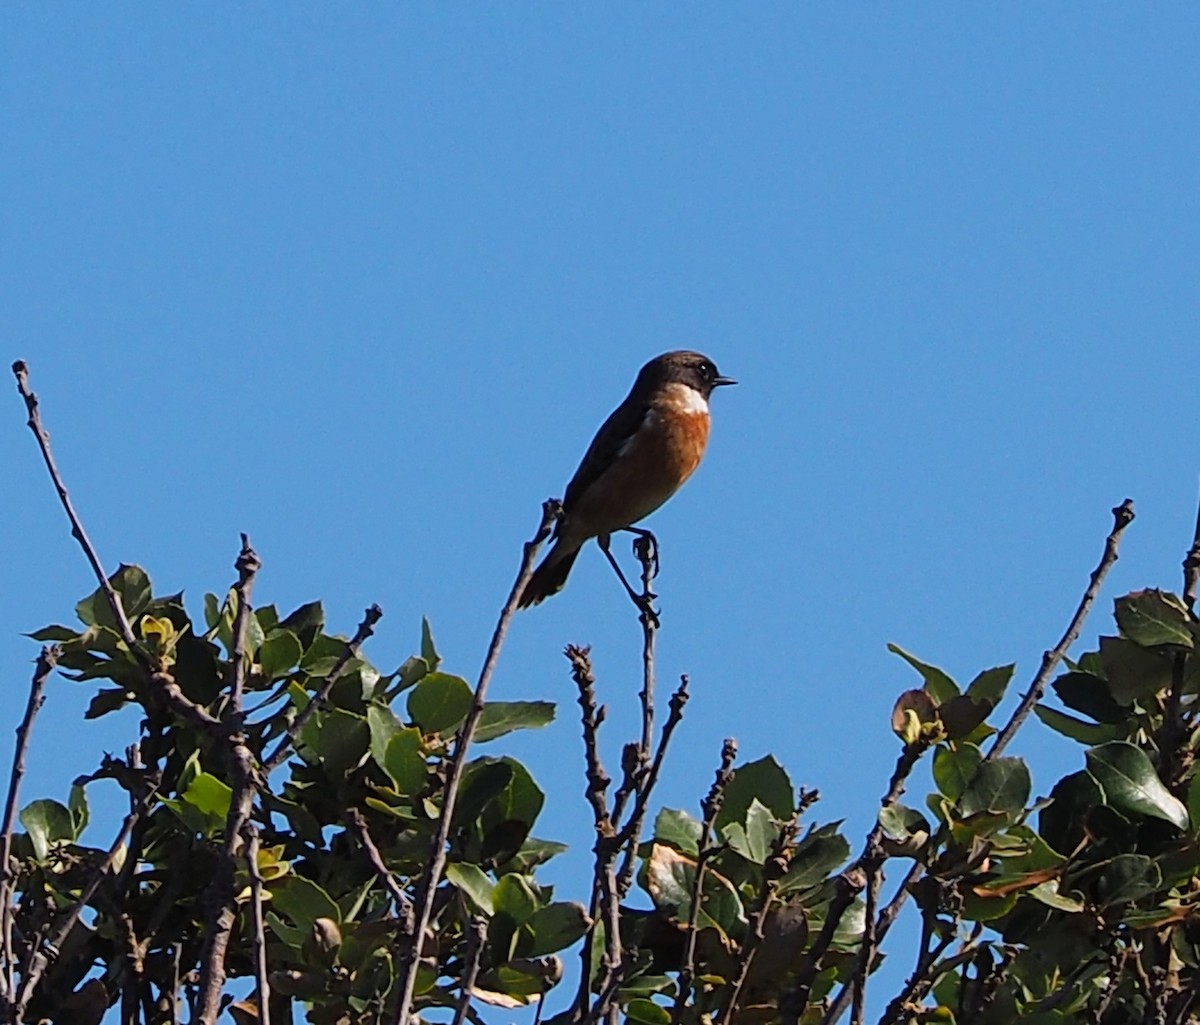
column 363, row 280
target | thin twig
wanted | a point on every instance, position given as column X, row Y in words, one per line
column 404, row 908
column 883, row 923
column 261, row 968
column 630, row 835
column 1191, row 568
column 221, row 897
column 174, row 697
column 929, row 970
column 46, row 662
column 476, row 940
column 873, row 865
column 605, row 904
column 774, row 869
column 1122, row 517
column 712, row 808
column 21, row 372
column 431, row 877
column 283, row 749
column 849, row 884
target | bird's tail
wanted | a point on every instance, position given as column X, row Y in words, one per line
column 550, row 576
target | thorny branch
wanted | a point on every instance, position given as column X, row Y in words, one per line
column 427, row 887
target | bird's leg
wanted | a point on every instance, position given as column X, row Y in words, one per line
column 645, row 548
column 642, row 601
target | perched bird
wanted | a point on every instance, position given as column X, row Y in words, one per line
column 640, row 457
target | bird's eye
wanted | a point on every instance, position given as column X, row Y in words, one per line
column 707, row 369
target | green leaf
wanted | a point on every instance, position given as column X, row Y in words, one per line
column 210, row 797
column 1073, row 797
column 533, row 852
column 961, row 715
column 383, row 724
column 342, row 741
column 953, row 770
column 764, row 780
column 501, row 717
column 554, row 928
column 440, row 701
column 647, row 1012
column 54, row 633
column 1048, row 893
column 303, row 901
column 761, row 832
column 679, row 829
column 901, row 823
column 990, row 685
column 1128, row 877
column 473, row 882
column 938, row 684
column 1134, row 673
column 107, row 699
column 428, row 648
column 1000, row 785
column 1089, row 694
column 1153, row 617
column 48, row 823
column 1088, row 733
column 1131, row 784
column 279, row 653
column 821, row 851
column 404, row 761
column 77, row 802
column 133, row 586
column 306, row 622
column 513, row 896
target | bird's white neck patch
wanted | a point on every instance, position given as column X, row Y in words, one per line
column 685, row 398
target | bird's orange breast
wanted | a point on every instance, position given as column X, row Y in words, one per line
column 650, row 468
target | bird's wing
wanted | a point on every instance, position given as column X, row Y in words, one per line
column 621, row 425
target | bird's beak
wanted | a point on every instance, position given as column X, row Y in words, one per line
column 723, row 380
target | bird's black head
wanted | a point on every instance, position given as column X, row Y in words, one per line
column 683, row 367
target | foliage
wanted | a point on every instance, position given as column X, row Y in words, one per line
column 389, row 872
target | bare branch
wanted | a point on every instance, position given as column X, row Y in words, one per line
column 283, row 749
column 174, row 697
column 21, row 372
column 432, row 876
column 220, row 897
column 362, row 834
column 605, row 902
column 261, row 968
column 1122, row 517
column 46, row 662
column 476, row 939
column 631, row 833
column 1191, row 568
column 712, row 808
column 853, row 880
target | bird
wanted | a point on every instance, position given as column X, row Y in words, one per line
column 642, row 454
